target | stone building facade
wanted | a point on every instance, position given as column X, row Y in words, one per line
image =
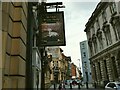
column 58, row 65
column 14, row 32
column 20, row 56
column 103, row 34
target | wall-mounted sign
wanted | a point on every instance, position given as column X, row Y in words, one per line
column 52, row 29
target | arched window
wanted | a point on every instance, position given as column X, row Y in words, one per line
column 100, row 38
column 90, row 46
column 97, row 24
column 113, row 8
column 95, row 43
column 106, row 30
column 104, row 16
column 115, row 22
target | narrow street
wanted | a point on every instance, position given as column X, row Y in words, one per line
column 75, row 87
column 54, row 44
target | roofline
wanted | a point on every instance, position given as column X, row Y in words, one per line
column 95, row 13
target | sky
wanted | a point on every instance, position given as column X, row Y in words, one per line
column 76, row 15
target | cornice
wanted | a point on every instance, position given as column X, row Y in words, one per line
column 106, row 50
column 97, row 11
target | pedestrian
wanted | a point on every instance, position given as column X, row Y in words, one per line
column 60, row 86
column 79, row 85
column 63, row 86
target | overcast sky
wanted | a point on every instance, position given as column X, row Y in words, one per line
column 76, row 15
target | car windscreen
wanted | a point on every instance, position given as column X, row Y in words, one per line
column 118, row 84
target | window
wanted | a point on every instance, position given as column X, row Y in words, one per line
column 115, row 31
column 113, row 7
column 94, row 39
column 88, row 34
column 104, row 16
column 101, row 42
column 100, row 39
column 83, row 46
column 84, row 54
column 118, row 84
column 57, row 64
column 95, row 46
column 91, row 50
column 53, row 63
column 107, row 35
column 97, row 24
column 117, row 26
column 90, row 46
column 93, row 30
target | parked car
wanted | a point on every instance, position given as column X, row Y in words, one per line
column 113, row 86
column 78, row 81
column 67, row 82
column 74, row 82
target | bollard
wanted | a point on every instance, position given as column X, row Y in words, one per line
column 78, row 85
column 54, row 87
column 70, row 85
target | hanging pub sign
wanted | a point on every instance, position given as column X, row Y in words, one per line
column 52, row 29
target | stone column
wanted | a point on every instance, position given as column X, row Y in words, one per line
column 109, row 68
column 14, row 29
column 5, row 58
column 102, row 70
column 118, row 64
column 97, row 73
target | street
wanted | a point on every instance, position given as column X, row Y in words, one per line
column 74, row 87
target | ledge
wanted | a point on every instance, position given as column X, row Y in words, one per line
column 106, row 50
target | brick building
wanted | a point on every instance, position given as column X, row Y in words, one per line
column 73, row 71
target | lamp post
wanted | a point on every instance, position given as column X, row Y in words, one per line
column 79, row 64
column 86, row 73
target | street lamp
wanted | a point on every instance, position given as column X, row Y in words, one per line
column 79, row 64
